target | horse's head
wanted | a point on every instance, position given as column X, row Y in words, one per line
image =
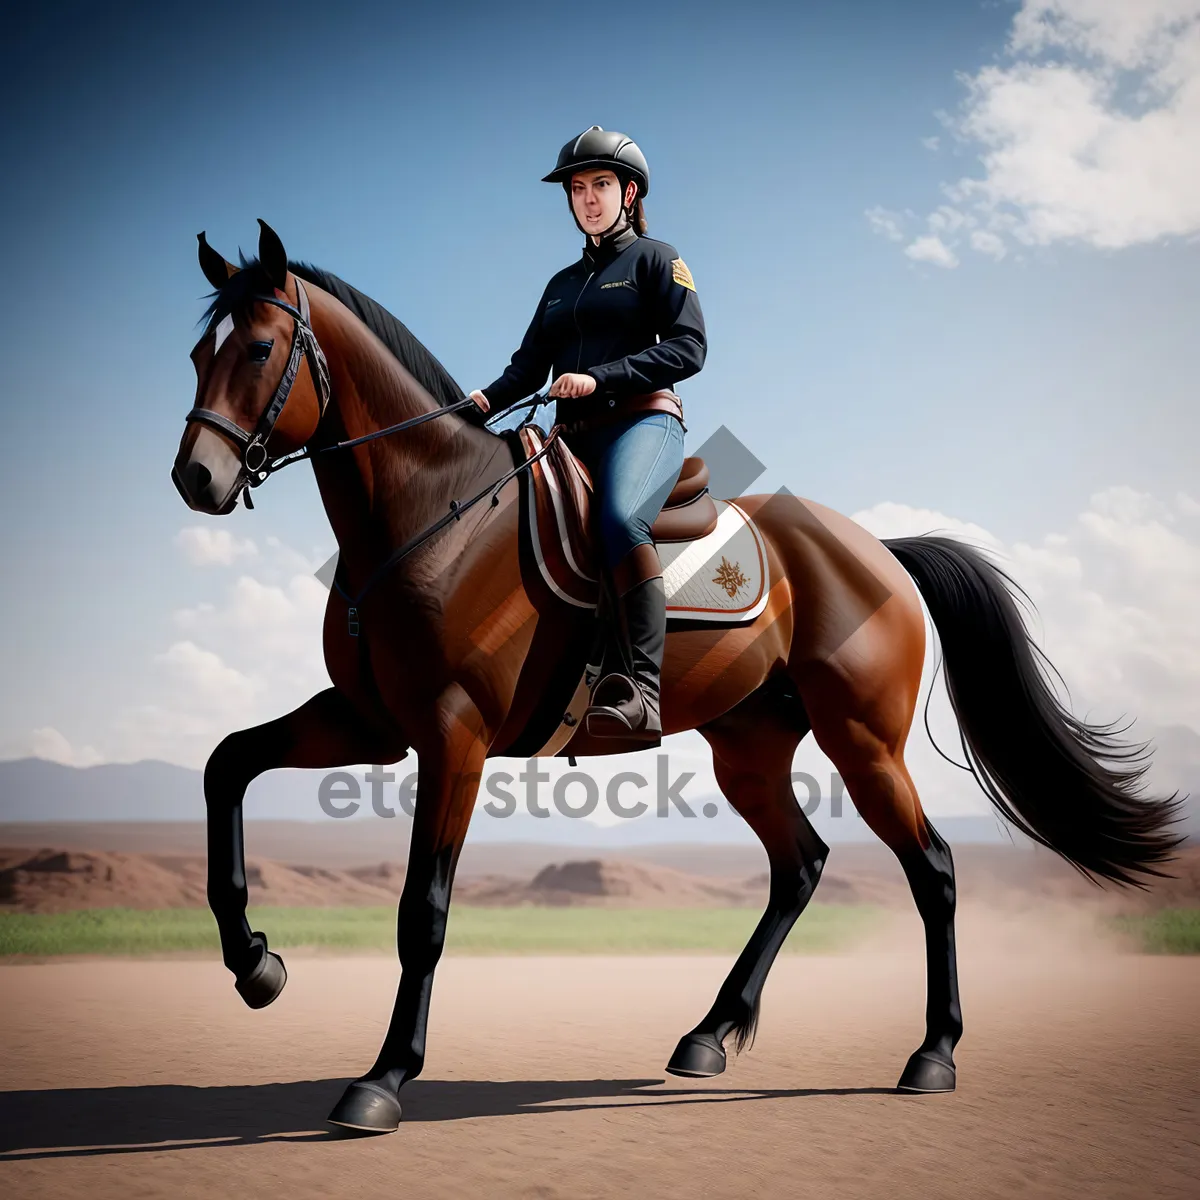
column 261, row 380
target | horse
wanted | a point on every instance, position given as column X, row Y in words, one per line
column 436, row 640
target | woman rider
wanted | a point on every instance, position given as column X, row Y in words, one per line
column 618, row 328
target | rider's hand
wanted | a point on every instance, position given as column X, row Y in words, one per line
column 480, row 399
column 573, row 385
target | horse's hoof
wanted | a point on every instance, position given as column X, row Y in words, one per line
column 697, row 1057
column 927, row 1073
column 266, row 980
column 368, row 1108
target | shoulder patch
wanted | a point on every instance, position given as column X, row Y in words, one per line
column 681, row 274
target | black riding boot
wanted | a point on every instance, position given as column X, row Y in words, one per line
column 627, row 705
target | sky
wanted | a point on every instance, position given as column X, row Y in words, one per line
column 947, row 253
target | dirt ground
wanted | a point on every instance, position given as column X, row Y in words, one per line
column 1079, row 1075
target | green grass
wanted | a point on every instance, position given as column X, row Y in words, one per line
column 1170, row 931
column 822, row 929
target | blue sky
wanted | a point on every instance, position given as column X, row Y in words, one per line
column 799, row 165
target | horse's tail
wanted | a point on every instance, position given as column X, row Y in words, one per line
column 1069, row 785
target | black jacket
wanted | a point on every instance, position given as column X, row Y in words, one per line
column 625, row 313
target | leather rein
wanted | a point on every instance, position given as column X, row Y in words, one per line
column 258, row 466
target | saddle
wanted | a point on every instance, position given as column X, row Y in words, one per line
column 714, row 571
column 563, row 490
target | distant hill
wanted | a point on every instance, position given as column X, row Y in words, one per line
column 56, row 880
column 33, row 790
column 38, row 791
column 52, row 880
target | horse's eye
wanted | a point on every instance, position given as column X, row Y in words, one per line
column 260, row 351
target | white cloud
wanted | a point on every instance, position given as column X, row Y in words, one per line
column 1089, row 131
column 289, row 561
column 885, row 223
column 204, row 546
column 931, row 143
column 988, row 243
column 1116, row 594
column 1127, row 34
column 204, row 680
column 53, row 746
column 248, row 656
column 932, row 249
column 947, row 220
column 890, row 520
column 253, row 655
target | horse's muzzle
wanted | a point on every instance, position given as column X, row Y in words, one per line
column 209, row 479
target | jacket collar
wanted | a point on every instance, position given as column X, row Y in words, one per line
column 595, row 257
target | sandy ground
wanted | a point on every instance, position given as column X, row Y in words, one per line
column 1079, row 1075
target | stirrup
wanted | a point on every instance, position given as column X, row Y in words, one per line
column 619, row 709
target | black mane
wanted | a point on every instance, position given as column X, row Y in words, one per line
column 250, row 281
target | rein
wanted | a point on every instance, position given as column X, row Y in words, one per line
column 457, row 508
column 257, row 467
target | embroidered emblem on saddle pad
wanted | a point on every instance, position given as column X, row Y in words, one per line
column 729, row 576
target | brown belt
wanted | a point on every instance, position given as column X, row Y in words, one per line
column 594, row 411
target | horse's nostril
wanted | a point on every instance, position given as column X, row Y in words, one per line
column 199, row 477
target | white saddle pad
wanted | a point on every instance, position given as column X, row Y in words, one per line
column 719, row 577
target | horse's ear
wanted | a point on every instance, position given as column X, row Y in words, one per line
column 216, row 270
column 271, row 255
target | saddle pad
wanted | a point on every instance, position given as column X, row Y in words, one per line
column 722, row 576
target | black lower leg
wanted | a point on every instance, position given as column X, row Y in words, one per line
column 752, row 747
column 421, row 936
column 931, row 876
column 226, row 777
column 325, row 731
column 735, row 1009
column 371, row 1102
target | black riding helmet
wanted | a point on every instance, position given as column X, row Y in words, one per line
column 597, row 148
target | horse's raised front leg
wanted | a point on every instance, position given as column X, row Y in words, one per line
column 450, row 772
column 325, row 731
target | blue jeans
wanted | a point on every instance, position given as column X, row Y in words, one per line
column 634, row 465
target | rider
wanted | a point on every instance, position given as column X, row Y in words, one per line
column 618, row 328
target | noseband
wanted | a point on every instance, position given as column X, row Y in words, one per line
column 255, row 467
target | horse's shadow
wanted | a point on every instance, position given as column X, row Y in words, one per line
column 74, row 1122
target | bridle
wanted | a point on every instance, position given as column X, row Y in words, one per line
column 257, row 466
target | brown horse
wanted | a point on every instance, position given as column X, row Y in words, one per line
column 457, row 647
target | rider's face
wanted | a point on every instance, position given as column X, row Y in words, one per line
column 596, row 199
